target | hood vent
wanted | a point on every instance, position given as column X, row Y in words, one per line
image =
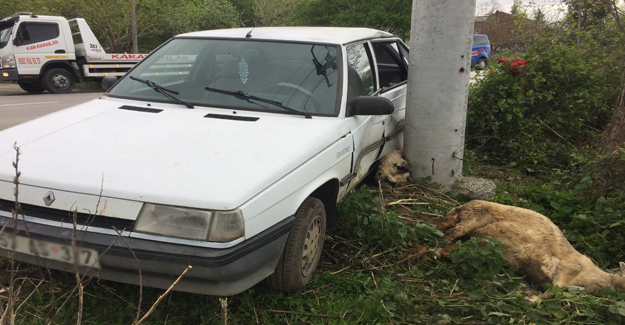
column 233, row 117
column 141, row 109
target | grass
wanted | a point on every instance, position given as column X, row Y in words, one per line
column 90, row 86
column 376, row 268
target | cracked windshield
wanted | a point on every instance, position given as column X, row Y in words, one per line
column 264, row 76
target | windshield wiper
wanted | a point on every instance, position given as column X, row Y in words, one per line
column 246, row 97
column 164, row 91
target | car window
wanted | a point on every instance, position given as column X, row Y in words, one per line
column 391, row 69
column 359, row 75
column 31, row 33
column 300, row 76
column 5, row 33
column 480, row 40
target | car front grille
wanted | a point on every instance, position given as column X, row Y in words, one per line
column 67, row 216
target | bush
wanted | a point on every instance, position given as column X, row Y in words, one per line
column 594, row 228
column 536, row 119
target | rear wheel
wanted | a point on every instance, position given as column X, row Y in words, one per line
column 31, row 87
column 303, row 248
column 58, row 81
column 481, row 64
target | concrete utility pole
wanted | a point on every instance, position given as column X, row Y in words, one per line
column 133, row 26
column 441, row 38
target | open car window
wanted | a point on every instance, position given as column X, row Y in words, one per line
column 391, row 68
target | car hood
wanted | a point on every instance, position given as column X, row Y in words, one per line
column 176, row 156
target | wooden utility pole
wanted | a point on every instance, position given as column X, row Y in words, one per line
column 133, row 27
column 441, row 38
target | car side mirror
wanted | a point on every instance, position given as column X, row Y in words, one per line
column 369, row 105
column 108, row 82
column 17, row 41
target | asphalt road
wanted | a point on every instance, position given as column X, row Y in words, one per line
column 18, row 106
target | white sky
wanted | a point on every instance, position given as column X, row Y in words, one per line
column 551, row 8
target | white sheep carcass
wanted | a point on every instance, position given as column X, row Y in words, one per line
column 393, row 170
column 532, row 243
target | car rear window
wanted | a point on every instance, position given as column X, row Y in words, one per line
column 480, row 40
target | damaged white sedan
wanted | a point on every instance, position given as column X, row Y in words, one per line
column 226, row 150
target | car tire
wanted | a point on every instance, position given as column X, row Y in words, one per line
column 31, row 87
column 58, row 81
column 481, row 64
column 301, row 255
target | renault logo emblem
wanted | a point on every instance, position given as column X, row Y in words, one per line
column 48, row 198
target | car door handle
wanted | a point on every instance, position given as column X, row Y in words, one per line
column 59, row 51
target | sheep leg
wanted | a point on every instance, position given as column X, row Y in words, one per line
column 462, row 225
column 450, row 221
column 536, row 299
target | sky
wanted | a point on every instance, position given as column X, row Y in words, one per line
column 549, row 7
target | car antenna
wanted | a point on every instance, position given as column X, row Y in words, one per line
column 249, row 34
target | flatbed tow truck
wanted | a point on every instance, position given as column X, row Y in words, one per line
column 52, row 53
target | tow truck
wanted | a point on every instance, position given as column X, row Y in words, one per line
column 52, row 53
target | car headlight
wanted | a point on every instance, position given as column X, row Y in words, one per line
column 8, row 62
column 215, row 226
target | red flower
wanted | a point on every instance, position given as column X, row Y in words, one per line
column 514, row 65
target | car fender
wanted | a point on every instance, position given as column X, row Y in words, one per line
column 283, row 198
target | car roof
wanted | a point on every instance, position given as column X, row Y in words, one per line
column 332, row 35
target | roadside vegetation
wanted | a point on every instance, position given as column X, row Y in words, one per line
column 551, row 134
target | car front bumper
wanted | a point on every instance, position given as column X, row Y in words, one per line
column 215, row 271
column 8, row 75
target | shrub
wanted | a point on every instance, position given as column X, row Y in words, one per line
column 536, row 119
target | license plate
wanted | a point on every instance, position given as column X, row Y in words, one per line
column 53, row 251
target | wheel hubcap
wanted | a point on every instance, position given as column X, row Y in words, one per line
column 60, row 81
column 311, row 246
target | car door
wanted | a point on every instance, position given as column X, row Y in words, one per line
column 392, row 75
column 37, row 43
column 367, row 130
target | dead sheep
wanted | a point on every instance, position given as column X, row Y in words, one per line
column 532, row 243
column 393, row 170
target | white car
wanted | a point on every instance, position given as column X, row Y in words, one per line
column 226, row 150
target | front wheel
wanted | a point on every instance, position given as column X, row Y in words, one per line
column 31, row 87
column 58, row 81
column 303, row 248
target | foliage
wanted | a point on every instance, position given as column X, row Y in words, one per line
column 392, row 15
column 362, row 213
column 273, row 12
column 245, row 8
column 537, row 119
column 585, row 13
column 594, row 228
column 110, row 20
column 539, row 15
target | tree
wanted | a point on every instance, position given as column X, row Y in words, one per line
column 516, row 7
column 488, row 7
column 273, row 12
column 586, row 13
column 392, row 15
column 157, row 20
column 539, row 15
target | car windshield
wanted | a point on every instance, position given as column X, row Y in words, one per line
column 300, row 76
column 5, row 34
